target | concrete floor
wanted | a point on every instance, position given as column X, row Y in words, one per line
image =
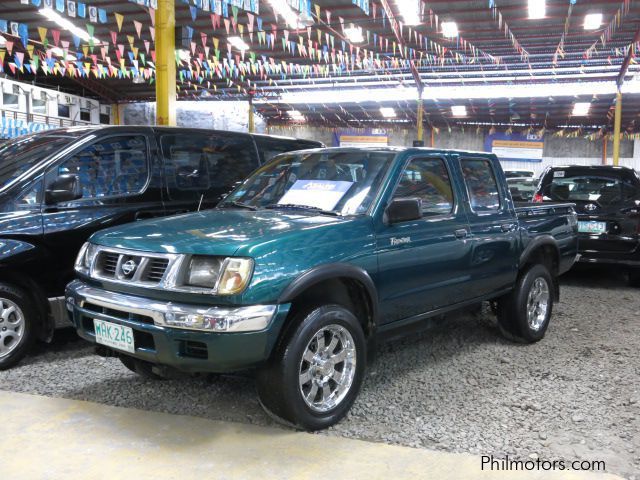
column 52, row 438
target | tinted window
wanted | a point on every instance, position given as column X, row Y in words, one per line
column 269, row 147
column 197, row 163
column 63, row 111
column 114, row 166
column 481, row 185
column 428, row 180
column 605, row 188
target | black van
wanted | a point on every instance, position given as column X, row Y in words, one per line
column 607, row 201
column 60, row 186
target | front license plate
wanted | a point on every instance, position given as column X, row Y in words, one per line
column 113, row 335
column 592, row 227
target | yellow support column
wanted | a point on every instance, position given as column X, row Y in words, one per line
column 616, row 129
column 166, row 62
column 420, row 118
column 115, row 114
column 252, row 123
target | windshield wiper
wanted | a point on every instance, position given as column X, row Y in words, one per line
column 292, row 206
column 238, row 205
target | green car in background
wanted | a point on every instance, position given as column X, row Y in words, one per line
column 310, row 260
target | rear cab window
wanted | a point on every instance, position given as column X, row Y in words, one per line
column 481, row 183
column 269, row 147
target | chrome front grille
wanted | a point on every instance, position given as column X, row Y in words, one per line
column 133, row 267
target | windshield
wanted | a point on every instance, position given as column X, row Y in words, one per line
column 344, row 183
column 20, row 155
column 522, row 189
column 589, row 188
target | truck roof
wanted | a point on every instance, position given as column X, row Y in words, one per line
column 404, row 149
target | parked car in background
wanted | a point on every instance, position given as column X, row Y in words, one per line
column 60, row 186
column 607, row 200
column 522, row 189
column 519, row 174
column 315, row 255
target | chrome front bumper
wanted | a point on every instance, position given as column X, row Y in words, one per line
column 204, row 319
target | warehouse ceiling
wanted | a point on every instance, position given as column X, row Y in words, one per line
column 504, row 67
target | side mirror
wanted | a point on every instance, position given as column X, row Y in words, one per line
column 65, row 188
column 404, row 210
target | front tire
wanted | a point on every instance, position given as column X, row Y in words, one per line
column 317, row 371
column 634, row 277
column 17, row 324
column 524, row 314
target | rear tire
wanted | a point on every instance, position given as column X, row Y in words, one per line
column 18, row 320
column 524, row 313
column 317, row 371
column 140, row 367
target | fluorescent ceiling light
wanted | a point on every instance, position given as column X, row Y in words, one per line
column 592, row 21
column 409, row 11
column 537, row 9
column 282, row 8
column 581, row 109
column 459, row 111
column 296, row 115
column 67, row 25
column 239, row 43
column 354, row 34
column 449, row 29
column 388, row 112
column 390, row 94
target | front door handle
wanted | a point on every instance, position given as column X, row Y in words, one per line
column 507, row 227
column 461, row 233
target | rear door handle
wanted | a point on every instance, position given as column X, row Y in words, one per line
column 461, row 233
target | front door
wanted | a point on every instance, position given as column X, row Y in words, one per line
column 422, row 263
column 120, row 183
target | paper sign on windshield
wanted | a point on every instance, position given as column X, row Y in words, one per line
column 323, row 194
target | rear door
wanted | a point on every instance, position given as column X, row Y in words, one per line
column 422, row 263
column 120, row 183
column 494, row 226
column 201, row 168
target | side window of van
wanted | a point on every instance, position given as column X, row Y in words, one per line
column 197, row 163
column 115, row 166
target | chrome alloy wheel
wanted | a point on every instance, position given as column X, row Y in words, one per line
column 327, row 368
column 538, row 303
column 11, row 326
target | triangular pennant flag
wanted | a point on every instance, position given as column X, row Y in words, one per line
column 119, row 20
column 138, row 26
column 42, row 31
column 56, row 37
column 114, row 37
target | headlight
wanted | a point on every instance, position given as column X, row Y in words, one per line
column 224, row 276
column 204, row 272
column 85, row 258
column 235, row 276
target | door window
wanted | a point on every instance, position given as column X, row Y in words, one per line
column 428, row 180
column 197, row 163
column 481, row 185
column 115, row 166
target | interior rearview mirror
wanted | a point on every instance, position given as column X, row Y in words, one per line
column 404, row 210
column 65, row 188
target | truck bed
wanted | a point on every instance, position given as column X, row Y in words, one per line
column 529, row 209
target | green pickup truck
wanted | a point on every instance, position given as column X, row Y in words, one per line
column 313, row 257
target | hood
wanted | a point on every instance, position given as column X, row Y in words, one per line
column 213, row 232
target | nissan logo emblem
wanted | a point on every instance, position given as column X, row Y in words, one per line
column 590, row 207
column 129, row 267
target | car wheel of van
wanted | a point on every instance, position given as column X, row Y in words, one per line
column 142, row 368
column 17, row 324
column 634, row 277
column 523, row 314
column 317, row 371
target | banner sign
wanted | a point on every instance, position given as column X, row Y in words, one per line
column 515, row 146
column 367, row 138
